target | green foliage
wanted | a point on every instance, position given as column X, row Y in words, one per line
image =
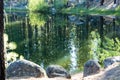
column 118, row 8
column 59, row 4
column 38, row 19
column 110, row 48
column 95, row 11
column 41, row 5
column 83, row 54
column 49, row 40
column 38, row 5
column 66, row 60
column 60, row 21
column 13, row 29
column 11, row 55
column 12, row 45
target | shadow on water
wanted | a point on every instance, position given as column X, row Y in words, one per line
column 67, row 40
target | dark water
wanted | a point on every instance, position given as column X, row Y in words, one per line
column 67, row 40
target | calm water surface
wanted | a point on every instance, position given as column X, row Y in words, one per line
column 67, row 40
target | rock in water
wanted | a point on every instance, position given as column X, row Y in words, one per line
column 21, row 68
column 91, row 67
column 57, row 71
column 109, row 61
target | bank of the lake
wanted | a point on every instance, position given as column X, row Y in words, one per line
column 92, row 11
column 105, row 74
column 79, row 11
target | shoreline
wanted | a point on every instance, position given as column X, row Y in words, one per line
column 110, row 73
column 77, row 76
column 75, row 11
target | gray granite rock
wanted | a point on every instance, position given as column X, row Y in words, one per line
column 57, row 71
column 91, row 67
column 109, row 61
column 21, row 68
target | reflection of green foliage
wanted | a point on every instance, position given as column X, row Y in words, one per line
column 37, row 19
column 64, row 61
column 83, row 53
column 50, row 43
column 118, row 8
column 12, row 45
column 117, row 21
column 38, row 5
column 59, row 4
column 11, row 55
column 110, row 48
column 96, row 11
column 60, row 21
column 12, row 23
column 13, row 30
column 48, row 47
column 41, row 5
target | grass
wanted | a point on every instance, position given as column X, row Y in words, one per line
column 42, row 6
column 91, row 11
column 38, row 5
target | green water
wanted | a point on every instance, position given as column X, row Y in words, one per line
column 65, row 40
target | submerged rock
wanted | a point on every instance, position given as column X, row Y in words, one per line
column 91, row 67
column 57, row 71
column 21, row 68
column 109, row 61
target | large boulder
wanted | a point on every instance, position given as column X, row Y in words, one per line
column 22, row 68
column 91, row 67
column 110, row 60
column 57, row 71
column 112, row 72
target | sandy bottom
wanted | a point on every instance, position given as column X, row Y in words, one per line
column 77, row 76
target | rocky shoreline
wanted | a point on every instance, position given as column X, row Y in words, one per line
column 27, row 70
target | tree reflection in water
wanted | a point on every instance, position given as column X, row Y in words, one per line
column 54, row 39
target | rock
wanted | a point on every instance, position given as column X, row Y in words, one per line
column 72, row 18
column 109, row 61
column 21, row 68
column 112, row 73
column 91, row 67
column 57, row 71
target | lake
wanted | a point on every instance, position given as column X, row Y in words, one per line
column 66, row 40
